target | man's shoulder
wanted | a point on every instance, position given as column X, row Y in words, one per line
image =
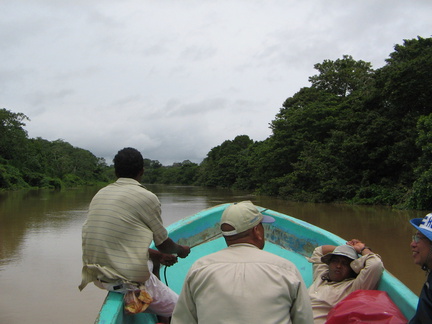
column 128, row 184
column 276, row 259
column 209, row 258
column 212, row 259
column 125, row 192
column 253, row 255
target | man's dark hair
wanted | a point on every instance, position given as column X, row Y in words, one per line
column 128, row 163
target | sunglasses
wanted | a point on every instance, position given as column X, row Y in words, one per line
column 416, row 238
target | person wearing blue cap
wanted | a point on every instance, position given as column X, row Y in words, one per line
column 421, row 247
column 242, row 283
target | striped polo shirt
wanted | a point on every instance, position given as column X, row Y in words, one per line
column 123, row 219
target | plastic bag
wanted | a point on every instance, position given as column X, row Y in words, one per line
column 137, row 301
column 164, row 298
column 366, row 306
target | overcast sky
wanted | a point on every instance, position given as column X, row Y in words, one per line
column 176, row 78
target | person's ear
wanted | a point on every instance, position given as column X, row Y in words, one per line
column 258, row 233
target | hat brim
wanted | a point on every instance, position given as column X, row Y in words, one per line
column 267, row 219
column 416, row 223
column 326, row 258
column 346, row 251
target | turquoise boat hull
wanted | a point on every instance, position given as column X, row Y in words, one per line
column 287, row 237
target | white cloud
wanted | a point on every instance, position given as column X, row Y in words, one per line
column 175, row 79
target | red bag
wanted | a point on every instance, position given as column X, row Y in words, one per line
column 366, row 306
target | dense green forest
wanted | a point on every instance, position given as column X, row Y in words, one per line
column 355, row 135
column 27, row 162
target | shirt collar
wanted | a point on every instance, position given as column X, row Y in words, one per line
column 128, row 181
column 244, row 244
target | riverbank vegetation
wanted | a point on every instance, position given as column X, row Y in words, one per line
column 356, row 135
column 38, row 163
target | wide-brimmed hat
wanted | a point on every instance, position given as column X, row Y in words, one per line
column 423, row 225
column 342, row 250
column 243, row 216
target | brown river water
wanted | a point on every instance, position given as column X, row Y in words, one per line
column 40, row 244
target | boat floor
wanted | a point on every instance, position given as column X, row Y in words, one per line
column 180, row 270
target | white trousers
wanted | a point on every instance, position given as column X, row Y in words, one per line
column 164, row 298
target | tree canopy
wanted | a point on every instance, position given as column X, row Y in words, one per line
column 40, row 163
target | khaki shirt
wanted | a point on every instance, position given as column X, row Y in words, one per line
column 123, row 219
column 326, row 294
column 243, row 284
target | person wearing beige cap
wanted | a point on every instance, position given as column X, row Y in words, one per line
column 242, row 283
column 421, row 247
column 340, row 270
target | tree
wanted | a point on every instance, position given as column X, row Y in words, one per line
column 404, row 90
column 12, row 135
column 406, row 80
column 307, row 116
column 421, row 193
column 220, row 167
column 343, row 76
column 40, row 163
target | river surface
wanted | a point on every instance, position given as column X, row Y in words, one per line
column 40, row 244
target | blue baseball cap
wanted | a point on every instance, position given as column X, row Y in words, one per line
column 423, row 225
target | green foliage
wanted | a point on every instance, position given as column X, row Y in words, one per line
column 343, row 76
column 12, row 135
column 352, row 136
column 11, row 178
column 35, row 179
column 220, row 167
column 184, row 173
column 421, row 194
column 40, row 163
column 406, row 80
column 72, row 180
column 378, row 195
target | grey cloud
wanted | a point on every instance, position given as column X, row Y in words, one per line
column 40, row 98
column 198, row 53
column 176, row 109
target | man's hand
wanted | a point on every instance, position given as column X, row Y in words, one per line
column 357, row 245
column 170, row 247
column 183, row 251
column 167, row 259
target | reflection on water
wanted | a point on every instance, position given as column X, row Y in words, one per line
column 40, row 257
column 40, row 244
column 37, row 211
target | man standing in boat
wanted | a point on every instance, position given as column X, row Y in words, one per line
column 123, row 220
column 339, row 271
column 242, row 283
column 421, row 247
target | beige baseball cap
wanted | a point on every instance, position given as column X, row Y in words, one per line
column 243, row 216
column 342, row 250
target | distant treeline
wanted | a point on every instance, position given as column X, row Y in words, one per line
column 38, row 163
column 355, row 135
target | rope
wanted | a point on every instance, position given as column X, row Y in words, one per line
column 165, row 276
column 192, row 246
